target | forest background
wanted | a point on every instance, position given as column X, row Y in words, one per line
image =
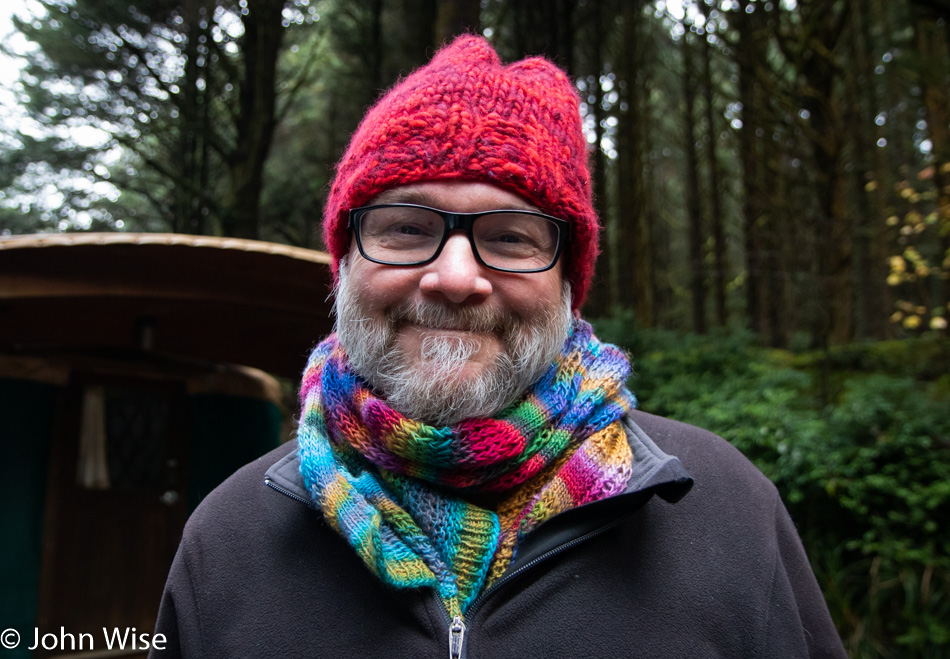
column 773, row 177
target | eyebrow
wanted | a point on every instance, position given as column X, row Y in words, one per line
column 424, row 198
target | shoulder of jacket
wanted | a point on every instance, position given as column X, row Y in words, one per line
column 239, row 495
column 706, row 455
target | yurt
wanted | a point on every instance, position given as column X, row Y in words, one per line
column 136, row 372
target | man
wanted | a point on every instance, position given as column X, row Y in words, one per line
column 469, row 476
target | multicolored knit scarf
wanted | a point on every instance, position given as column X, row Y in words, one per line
column 398, row 490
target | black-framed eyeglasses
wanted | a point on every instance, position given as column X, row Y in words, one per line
column 506, row 240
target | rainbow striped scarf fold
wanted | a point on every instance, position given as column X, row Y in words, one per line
column 397, row 489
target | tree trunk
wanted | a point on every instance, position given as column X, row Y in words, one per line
column 777, row 234
column 720, row 260
column 377, row 47
column 456, row 17
column 637, row 258
column 932, row 50
column 602, row 298
column 428, row 24
column 546, row 28
column 190, row 215
column 748, row 54
column 870, row 293
column 834, row 321
column 256, row 120
column 693, row 203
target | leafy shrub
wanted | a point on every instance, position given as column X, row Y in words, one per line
column 923, row 358
column 857, row 441
column 889, row 467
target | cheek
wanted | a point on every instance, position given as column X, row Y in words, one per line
column 539, row 295
column 378, row 288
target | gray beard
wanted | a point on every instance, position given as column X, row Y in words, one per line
column 434, row 390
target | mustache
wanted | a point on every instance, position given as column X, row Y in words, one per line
column 464, row 318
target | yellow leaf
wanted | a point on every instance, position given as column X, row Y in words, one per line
column 912, row 322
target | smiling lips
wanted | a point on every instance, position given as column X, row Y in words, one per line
column 448, row 330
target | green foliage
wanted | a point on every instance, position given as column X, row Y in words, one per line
column 888, row 466
column 857, row 441
column 926, row 358
column 159, row 113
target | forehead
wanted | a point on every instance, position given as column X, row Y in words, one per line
column 455, row 196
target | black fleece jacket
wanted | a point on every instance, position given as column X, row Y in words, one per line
column 720, row 573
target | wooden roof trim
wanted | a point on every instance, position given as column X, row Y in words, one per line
column 34, row 241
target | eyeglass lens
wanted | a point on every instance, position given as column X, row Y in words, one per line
column 509, row 240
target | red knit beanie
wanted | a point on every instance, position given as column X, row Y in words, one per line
column 465, row 116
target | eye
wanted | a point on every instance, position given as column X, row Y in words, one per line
column 515, row 230
column 511, row 238
column 405, row 229
column 400, row 223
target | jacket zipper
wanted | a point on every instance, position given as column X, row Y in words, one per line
column 457, row 628
column 456, row 625
column 456, row 638
column 296, row 497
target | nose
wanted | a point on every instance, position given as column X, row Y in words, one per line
column 456, row 274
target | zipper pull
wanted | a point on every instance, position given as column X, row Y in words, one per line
column 456, row 637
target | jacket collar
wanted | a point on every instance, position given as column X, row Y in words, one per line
column 653, row 469
column 654, row 472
